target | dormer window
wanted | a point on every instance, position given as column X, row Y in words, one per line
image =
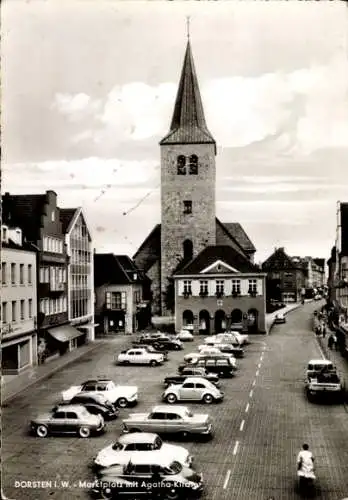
column 193, row 165
column 181, row 165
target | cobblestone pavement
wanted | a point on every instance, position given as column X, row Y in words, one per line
column 260, row 426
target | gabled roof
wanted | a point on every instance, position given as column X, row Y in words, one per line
column 279, row 260
column 66, row 216
column 24, row 211
column 210, row 255
column 320, row 262
column 188, row 123
column 115, row 270
column 238, row 233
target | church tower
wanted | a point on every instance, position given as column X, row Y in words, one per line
column 187, row 179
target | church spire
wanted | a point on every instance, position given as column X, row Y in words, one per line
column 188, row 124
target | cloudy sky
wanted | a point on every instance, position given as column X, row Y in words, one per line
column 88, row 89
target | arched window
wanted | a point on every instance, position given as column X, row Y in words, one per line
column 188, row 250
column 193, row 165
column 181, row 165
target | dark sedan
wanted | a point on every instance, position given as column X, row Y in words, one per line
column 192, row 372
column 96, row 404
column 160, row 343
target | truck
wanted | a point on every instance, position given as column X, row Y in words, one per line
column 322, row 379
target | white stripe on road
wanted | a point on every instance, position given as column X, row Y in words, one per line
column 247, row 408
column 227, row 478
column 257, row 372
column 251, row 393
column 254, row 382
column 242, row 425
column 235, row 449
column 259, row 365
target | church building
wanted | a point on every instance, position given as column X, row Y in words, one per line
column 188, row 201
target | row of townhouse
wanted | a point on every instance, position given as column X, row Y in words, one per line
column 47, row 299
column 338, row 276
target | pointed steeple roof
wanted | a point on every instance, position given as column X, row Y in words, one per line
column 188, row 123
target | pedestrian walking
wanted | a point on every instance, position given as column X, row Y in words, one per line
column 335, row 343
column 330, row 341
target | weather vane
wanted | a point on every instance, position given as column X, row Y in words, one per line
column 188, row 26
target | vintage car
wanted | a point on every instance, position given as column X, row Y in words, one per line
column 235, row 350
column 218, row 364
column 67, row 419
column 223, row 338
column 279, row 319
column 120, row 395
column 150, row 477
column 167, row 419
column 151, row 349
column 191, row 372
column 212, row 353
column 139, row 356
column 163, row 342
column 193, row 389
column 185, row 336
column 95, row 403
column 122, row 450
column 322, row 380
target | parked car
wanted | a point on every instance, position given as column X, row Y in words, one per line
column 159, row 343
column 220, row 365
column 323, row 380
column 205, row 350
column 223, row 338
column 120, row 395
column 236, row 351
column 185, row 336
column 151, row 349
column 279, row 318
column 191, row 358
column 67, row 419
column 95, row 403
column 166, row 419
column 139, row 356
column 192, row 372
column 122, row 450
column 158, row 477
column 193, row 389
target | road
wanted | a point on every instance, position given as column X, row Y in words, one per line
column 260, row 426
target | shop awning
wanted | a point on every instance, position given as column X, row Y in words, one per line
column 64, row 333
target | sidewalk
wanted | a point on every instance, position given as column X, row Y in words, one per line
column 270, row 317
column 11, row 385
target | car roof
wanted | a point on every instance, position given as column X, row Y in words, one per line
column 69, row 408
column 96, row 381
column 142, row 458
column 195, row 379
column 138, row 437
column 170, row 409
column 320, row 362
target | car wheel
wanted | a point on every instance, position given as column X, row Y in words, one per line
column 126, row 362
column 122, row 403
column 184, row 434
column 172, row 494
column 41, row 431
column 153, row 362
column 208, row 399
column 84, row 432
column 106, row 493
column 176, row 347
column 171, row 398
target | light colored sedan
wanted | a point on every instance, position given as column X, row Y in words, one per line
column 193, row 389
column 185, row 336
column 121, row 451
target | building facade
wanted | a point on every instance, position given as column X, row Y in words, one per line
column 18, row 302
column 80, row 275
column 119, row 303
column 286, row 277
column 218, row 291
column 188, row 205
column 39, row 216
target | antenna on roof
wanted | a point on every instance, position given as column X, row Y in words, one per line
column 188, row 27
